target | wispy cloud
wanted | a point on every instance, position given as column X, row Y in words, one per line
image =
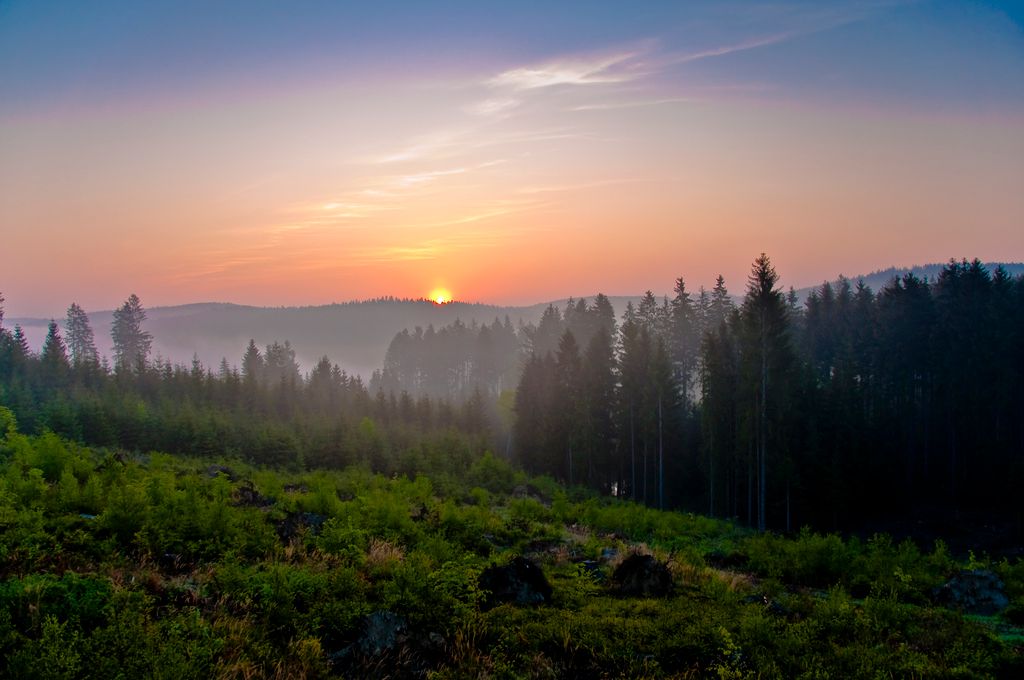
column 570, row 71
column 493, row 107
column 743, row 46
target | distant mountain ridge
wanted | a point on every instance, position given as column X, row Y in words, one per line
column 879, row 279
column 355, row 335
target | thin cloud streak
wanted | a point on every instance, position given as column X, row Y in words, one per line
column 737, row 47
column 489, row 108
column 567, row 71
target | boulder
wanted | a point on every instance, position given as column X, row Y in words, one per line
column 246, row 495
column 385, row 645
column 973, row 591
column 642, row 576
column 382, row 632
column 519, row 582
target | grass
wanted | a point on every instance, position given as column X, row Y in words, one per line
column 150, row 566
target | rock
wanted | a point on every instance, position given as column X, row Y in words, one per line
column 975, row 591
column 519, row 582
column 642, row 576
column 382, row 632
column 386, row 646
column 296, row 522
column 247, row 495
column 214, row 470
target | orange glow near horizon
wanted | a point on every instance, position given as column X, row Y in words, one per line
column 515, row 178
column 441, row 296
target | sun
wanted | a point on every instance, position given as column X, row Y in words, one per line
column 440, row 296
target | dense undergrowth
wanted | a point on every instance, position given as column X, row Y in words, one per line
column 116, row 565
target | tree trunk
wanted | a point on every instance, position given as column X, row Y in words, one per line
column 632, row 453
column 763, row 453
column 661, row 461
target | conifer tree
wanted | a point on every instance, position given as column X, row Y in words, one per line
column 569, row 396
column 684, row 340
column 54, row 358
column 80, row 341
column 765, row 355
column 598, row 385
column 131, row 343
column 720, row 305
column 252, row 365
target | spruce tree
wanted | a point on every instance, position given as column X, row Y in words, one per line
column 252, row 365
column 684, row 340
column 569, row 397
column 131, row 343
column 54, row 357
column 80, row 341
column 766, row 357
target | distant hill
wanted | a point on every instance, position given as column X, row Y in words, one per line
column 879, row 279
column 355, row 335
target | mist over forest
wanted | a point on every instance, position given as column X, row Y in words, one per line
column 355, row 334
column 672, row 401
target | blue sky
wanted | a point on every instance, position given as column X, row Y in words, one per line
column 306, row 152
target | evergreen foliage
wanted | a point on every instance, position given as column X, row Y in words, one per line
column 131, row 343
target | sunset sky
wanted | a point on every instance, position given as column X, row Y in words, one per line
column 279, row 153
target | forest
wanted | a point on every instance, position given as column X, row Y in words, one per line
column 746, row 455
column 851, row 409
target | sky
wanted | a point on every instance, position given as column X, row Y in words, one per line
column 275, row 153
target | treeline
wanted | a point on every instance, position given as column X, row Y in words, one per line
column 850, row 407
column 452, row 363
column 853, row 406
column 267, row 412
